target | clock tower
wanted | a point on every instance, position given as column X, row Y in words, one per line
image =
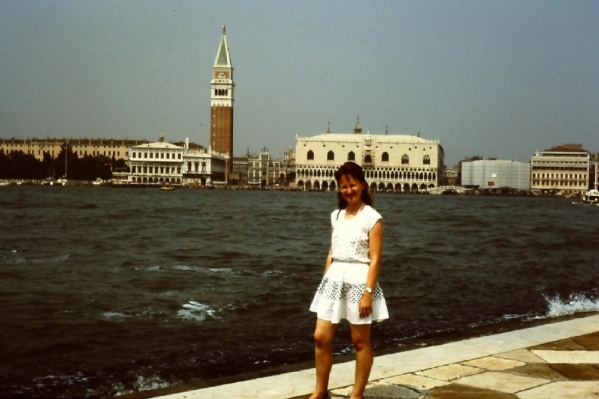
column 221, row 102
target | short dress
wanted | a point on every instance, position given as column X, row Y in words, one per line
column 340, row 291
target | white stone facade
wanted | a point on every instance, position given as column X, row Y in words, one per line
column 156, row 163
column 264, row 171
column 203, row 167
column 160, row 163
column 564, row 169
column 392, row 163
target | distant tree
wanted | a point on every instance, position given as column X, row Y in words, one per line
column 120, row 165
column 47, row 165
column 71, row 164
column 18, row 165
column 4, row 165
column 25, row 166
column 93, row 167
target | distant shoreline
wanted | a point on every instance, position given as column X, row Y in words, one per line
column 82, row 183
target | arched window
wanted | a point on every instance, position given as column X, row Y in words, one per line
column 426, row 160
column 385, row 157
column 405, row 160
column 368, row 159
column 330, row 156
column 351, row 156
column 310, row 155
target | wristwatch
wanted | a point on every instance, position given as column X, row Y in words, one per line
column 368, row 289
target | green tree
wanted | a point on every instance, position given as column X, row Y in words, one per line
column 4, row 165
column 70, row 168
column 47, row 165
column 18, row 165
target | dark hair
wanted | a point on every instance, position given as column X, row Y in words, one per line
column 354, row 170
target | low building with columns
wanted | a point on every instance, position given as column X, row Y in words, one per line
column 203, row 167
column 156, row 163
column 392, row 163
column 161, row 162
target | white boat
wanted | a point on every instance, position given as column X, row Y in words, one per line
column 591, row 197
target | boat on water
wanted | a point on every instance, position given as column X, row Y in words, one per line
column 167, row 188
column 591, row 197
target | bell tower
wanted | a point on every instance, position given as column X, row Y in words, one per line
column 221, row 102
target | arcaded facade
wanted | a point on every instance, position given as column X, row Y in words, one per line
column 392, row 163
column 161, row 162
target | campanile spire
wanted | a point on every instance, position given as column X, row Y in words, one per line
column 221, row 101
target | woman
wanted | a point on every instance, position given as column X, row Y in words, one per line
column 349, row 289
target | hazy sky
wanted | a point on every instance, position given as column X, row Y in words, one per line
column 489, row 78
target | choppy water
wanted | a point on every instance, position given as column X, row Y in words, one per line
column 109, row 291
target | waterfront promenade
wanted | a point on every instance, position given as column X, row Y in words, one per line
column 557, row 360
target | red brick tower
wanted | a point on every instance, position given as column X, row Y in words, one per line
column 221, row 102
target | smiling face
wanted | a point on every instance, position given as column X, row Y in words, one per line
column 351, row 190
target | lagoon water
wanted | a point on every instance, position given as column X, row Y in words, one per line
column 108, row 291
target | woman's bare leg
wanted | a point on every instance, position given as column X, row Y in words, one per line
column 323, row 355
column 360, row 335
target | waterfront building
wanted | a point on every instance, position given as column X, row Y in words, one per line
column 156, row 163
column 221, row 102
column 399, row 163
column 112, row 148
column 240, row 171
column 161, row 162
column 288, row 167
column 450, row 176
column 562, row 169
column 264, row 171
column 203, row 167
column 496, row 175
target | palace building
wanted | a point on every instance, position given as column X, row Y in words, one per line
column 160, row 162
column 392, row 163
column 221, row 102
column 564, row 168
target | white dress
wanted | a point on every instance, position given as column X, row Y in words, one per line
column 340, row 291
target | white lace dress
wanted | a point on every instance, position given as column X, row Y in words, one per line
column 338, row 295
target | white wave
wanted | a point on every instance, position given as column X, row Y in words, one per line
column 187, row 268
column 270, row 272
column 114, row 315
column 201, row 269
column 576, row 303
column 513, row 316
column 223, row 270
column 197, row 311
column 142, row 384
column 55, row 259
column 149, row 268
column 150, row 383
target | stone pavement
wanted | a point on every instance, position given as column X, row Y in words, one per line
column 553, row 361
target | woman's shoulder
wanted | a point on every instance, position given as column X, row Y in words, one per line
column 337, row 214
column 372, row 212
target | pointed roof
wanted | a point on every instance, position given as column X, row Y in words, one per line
column 223, row 59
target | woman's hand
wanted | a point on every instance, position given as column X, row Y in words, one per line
column 365, row 308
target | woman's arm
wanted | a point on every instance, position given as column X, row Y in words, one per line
column 375, row 245
column 329, row 258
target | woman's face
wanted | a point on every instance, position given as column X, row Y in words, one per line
column 351, row 189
